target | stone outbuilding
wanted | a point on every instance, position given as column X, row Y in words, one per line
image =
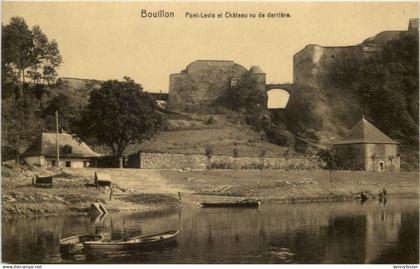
column 367, row 148
column 75, row 154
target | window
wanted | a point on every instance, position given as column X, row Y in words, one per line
column 53, row 163
column 85, row 164
column 68, row 163
column 233, row 82
column 68, row 149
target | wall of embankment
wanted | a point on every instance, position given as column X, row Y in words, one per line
column 146, row 160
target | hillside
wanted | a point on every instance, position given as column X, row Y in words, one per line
column 186, row 132
column 383, row 87
column 224, row 134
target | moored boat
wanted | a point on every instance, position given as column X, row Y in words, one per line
column 233, row 204
column 144, row 242
column 74, row 244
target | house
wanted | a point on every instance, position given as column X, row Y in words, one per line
column 75, row 154
column 367, row 148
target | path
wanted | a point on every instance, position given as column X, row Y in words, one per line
column 139, row 180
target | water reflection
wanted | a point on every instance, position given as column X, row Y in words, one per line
column 299, row 233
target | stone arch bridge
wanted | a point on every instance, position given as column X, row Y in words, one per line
column 280, row 86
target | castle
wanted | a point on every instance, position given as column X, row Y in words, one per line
column 205, row 82
column 313, row 62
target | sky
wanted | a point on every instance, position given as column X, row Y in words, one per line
column 109, row 40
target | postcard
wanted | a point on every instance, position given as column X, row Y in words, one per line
column 209, row 133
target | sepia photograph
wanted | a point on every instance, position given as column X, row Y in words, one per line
column 223, row 132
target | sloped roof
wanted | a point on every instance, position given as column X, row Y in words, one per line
column 365, row 132
column 45, row 145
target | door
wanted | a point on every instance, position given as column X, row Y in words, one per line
column 381, row 166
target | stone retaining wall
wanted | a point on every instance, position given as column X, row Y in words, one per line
column 172, row 161
column 147, row 160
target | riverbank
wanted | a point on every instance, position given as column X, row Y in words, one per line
column 292, row 186
column 73, row 193
column 157, row 190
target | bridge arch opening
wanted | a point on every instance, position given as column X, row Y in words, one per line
column 277, row 98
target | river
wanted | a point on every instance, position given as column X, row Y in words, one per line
column 346, row 232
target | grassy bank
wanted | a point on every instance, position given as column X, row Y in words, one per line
column 151, row 190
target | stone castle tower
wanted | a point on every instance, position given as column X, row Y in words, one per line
column 206, row 82
column 313, row 62
column 257, row 76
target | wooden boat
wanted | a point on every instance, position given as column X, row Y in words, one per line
column 144, row 242
column 74, row 244
column 233, row 204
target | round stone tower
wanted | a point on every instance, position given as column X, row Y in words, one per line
column 258, row 77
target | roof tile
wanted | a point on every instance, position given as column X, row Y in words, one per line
column 45, row 145
column 365, row 132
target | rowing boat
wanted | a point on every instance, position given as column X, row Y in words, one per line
column 233, row 204
column 145, row 242
column 74, row 244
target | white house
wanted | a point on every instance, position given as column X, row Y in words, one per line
column 75, row 154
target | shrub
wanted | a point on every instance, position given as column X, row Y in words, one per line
column 235, row 153
column 211, row 121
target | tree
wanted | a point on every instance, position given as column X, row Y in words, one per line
column 247, row 96
column 331, row 158
column 17, row 47
column 387, row 88
column 235, row 153
column 262, row 157
column 28, row 54
column 248, row 99
column 51, row 61
column 39, row 44
column 68, row 111
column 119, row 114
column 209, row 151
column 20, row 123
